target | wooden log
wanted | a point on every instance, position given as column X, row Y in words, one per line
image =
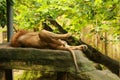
column 52, row 60
column 31, row 58
column 96, row 56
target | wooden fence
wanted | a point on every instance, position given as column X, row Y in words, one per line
column 106, row 44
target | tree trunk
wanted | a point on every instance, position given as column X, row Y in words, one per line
column 98, row 57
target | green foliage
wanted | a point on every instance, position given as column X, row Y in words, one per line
column 73, row 15
column 27, row 75
column 2, row 13
column 78, row 13
column 3, row 18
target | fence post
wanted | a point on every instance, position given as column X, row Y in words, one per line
column 8, row 72
column 2, row 75
column 106, row 44
column 9, row 20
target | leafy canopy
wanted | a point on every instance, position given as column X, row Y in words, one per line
column 73, row 15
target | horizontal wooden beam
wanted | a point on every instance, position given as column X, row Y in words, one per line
column 50, row 60
column 31, row 58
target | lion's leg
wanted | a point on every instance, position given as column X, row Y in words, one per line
column 80, row 47
column 51, row 37
column 46, row 37
column 56, row 36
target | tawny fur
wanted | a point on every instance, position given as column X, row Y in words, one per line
column 14, row 40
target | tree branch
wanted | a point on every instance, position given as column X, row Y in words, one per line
column 46, row 27
column 98, row 57
column 55, row 23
